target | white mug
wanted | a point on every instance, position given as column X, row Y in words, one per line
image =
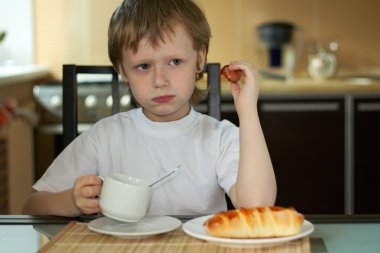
column 124, row 198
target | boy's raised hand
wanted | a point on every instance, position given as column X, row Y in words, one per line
column 86, row 193
column 246, row 93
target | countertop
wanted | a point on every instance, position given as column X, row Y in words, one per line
column 309, row 87
column 306, row 85
column 11, row 75
column 347, row 81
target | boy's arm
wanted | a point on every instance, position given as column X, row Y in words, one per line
column 81, row 199
column 51, row 203
column 256, row 183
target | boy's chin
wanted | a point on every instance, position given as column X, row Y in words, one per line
column 165, row 114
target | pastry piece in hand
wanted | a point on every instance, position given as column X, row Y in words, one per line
column 261, row 222
column 231, row 75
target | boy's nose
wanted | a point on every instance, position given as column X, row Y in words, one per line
column 160, row 79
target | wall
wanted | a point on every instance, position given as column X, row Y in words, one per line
column 16, row 18
column 354, row 24
column 70, row 31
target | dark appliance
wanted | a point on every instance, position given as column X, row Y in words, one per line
column 94, row 102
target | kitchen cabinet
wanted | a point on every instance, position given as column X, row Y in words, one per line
column 324, row 149
column 16, row 165
column 305, row 138
column 366, row 154
column 16, row 138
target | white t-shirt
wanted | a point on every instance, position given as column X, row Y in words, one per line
column 130, row 143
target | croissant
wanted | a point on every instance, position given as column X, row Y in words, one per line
column 258, row 222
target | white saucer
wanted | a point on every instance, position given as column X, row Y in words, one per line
column 195, row 228
column 148, row 226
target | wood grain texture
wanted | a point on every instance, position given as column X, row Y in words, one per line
column 76, row 237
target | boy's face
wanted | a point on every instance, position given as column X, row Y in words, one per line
column 162, row 79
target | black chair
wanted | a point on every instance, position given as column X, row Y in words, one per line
column 70, row 94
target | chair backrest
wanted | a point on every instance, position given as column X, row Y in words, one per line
column 214, row 90
column 70, row 94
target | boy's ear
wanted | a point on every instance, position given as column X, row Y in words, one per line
column 201, row 59
column 122, row 73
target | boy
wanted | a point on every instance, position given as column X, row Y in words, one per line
column 160, row 48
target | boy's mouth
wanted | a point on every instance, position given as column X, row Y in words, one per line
column 163, row 99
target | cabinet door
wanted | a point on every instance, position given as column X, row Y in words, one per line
column 367, row 155
column 305, row 138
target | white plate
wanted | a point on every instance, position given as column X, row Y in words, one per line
column 195, row 228
column 148, row 226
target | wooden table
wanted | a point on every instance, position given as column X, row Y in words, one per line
column 76, row 237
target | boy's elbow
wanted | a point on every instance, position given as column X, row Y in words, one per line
column 265, row 199
column 27, row 209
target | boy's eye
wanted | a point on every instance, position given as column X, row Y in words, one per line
column 143, row 66
column 175, row 62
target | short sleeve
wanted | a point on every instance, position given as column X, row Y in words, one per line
column 77, row 159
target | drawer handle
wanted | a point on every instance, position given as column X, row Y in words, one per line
column 299, row 107
column 368, row 107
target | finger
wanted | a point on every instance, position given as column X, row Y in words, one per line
column 89, row 180
column 90, row 191
column 245, row 69
column 89, row 206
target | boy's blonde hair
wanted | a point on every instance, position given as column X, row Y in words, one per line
column 136, row 19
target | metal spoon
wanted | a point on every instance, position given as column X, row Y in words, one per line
column 165, row 176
